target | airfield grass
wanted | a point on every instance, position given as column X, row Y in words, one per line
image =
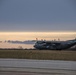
column 39, row 54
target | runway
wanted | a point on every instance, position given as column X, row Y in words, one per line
column 36, row 67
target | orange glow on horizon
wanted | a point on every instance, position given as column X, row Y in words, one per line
column 37, row 32
column 40, row 35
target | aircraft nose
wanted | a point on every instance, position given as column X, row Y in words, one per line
column 34, row 46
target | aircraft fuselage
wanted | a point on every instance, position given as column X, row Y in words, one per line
column 54, row 45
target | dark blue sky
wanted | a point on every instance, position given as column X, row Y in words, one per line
column 37, row 15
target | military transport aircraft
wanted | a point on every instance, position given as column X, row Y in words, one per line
column 54, row 45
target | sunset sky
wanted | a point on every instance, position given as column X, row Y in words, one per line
column 22, row 36
column 43, row 19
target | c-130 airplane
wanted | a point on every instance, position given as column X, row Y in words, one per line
column 54, row 45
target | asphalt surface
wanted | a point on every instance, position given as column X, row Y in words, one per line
column 36, row 67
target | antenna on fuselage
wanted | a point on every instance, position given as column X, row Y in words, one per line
column 58, row 39
column 36, row 39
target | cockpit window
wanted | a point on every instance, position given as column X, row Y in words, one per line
column 40, row 42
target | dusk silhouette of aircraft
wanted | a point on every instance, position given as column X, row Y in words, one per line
column 54, row 45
